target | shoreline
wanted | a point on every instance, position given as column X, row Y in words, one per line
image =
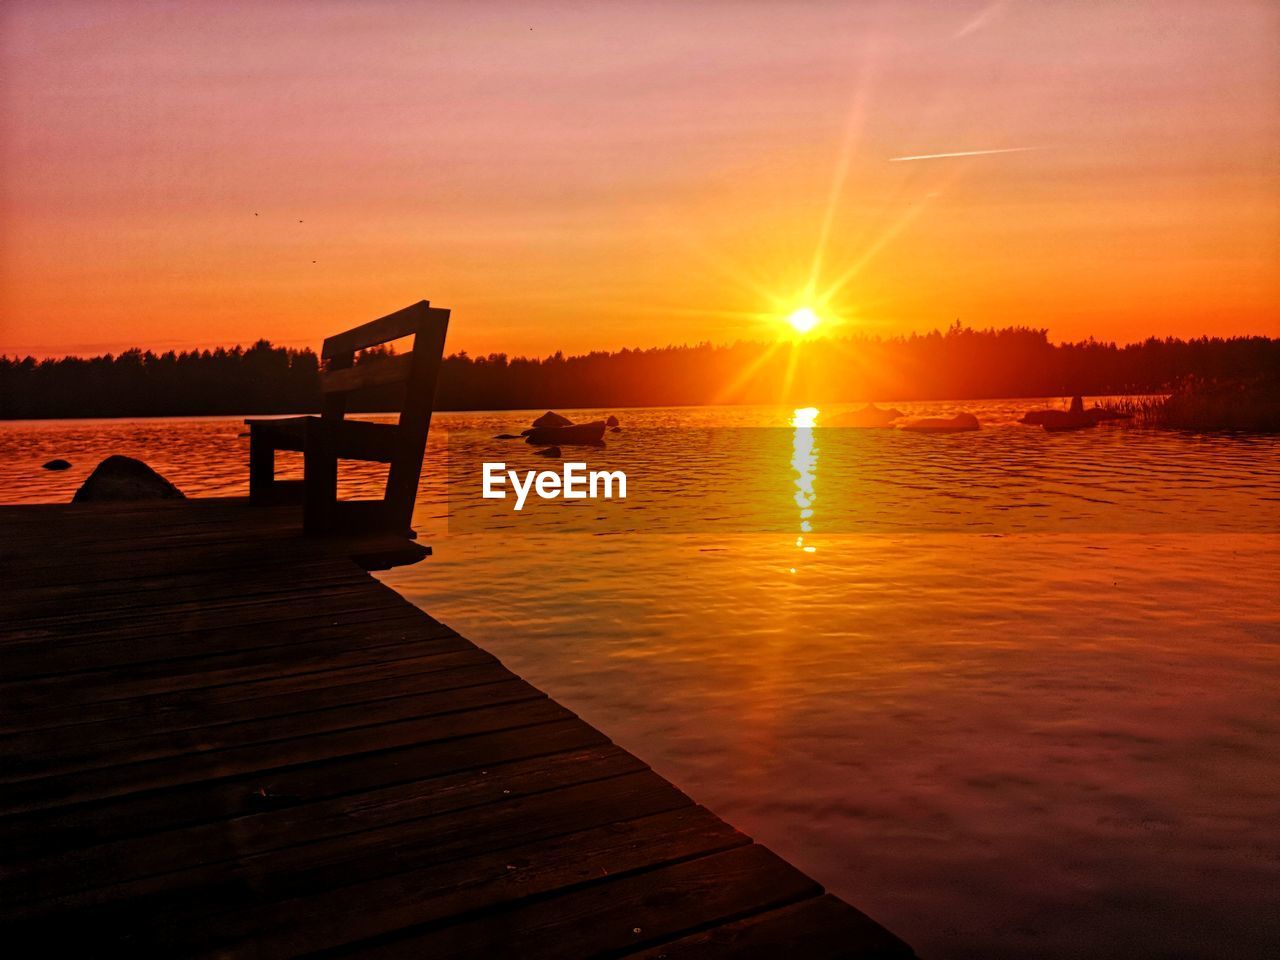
column 211, row 417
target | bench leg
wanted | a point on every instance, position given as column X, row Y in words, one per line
column 320, row 484
column 399, row 517
column 262, row 467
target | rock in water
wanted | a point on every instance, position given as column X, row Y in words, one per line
column 1058, row 421
column 587, row 434
column 507, row 436
column 868, row 416
column 57, row 465
column 612, row 421
column 124, row 478
column 960, row 423
column 549, row 452
column 1076, row 418
column 551, row 419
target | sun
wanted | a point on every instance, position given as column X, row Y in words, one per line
column 804, row 320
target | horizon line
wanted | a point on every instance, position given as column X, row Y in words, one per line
column 41, row 355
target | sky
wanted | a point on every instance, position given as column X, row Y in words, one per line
column 576, row 176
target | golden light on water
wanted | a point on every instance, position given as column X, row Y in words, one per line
column 804, row 461
column 805, row 417
column 804, row 320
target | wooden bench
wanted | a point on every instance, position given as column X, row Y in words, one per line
column 328, row 438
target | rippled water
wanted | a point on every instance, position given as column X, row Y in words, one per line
column 1058, row 743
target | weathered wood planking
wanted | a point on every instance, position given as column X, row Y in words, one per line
column 218, row 736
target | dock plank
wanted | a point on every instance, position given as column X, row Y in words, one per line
column 619, row 913
column 218, row 735
column 51, row 830
column 332, row 647
column 819, row 928
column 102, row 782
column 276, row 695
column 361, row 707
column 104, row 868
column 418, row 898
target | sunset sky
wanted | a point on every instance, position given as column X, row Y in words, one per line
column 600, row 174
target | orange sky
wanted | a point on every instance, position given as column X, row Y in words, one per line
column 595, row 175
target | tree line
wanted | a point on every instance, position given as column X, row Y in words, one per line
column 959, row 363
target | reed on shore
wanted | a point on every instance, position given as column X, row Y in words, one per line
column 1246, row 406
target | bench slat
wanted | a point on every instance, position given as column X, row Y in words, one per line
column 356, row 439
column 391, row 327
column 373, row 374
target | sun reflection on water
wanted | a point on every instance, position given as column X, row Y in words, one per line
column 804, row 461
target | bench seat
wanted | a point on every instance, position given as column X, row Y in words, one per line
column 353, row 439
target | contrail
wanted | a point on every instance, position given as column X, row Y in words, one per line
column 962, row 153
column 977, row 23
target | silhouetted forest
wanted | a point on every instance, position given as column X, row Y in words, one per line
column 960, row 363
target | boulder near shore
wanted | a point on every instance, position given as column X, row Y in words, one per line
column 120, row 478
column 960, row 423
column 552, row 419
column 553, row 429
column 1074, row 418
column 869, row 416
column 58, row 464
column 581, row 434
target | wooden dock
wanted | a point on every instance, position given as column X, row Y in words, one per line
column 222, row 737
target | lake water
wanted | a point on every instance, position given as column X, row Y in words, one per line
column 1030, row 708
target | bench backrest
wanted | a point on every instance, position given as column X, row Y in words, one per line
column 418, row 369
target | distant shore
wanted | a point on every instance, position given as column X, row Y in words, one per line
column 1120, row 400
column 956, row 365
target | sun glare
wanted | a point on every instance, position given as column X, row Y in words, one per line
column 804, row 320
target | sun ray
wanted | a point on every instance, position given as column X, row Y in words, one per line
column 744, row 375
column 730, row 269
column 900, row 223
column 788, row 378
column 751, row 315
column 852, row 132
